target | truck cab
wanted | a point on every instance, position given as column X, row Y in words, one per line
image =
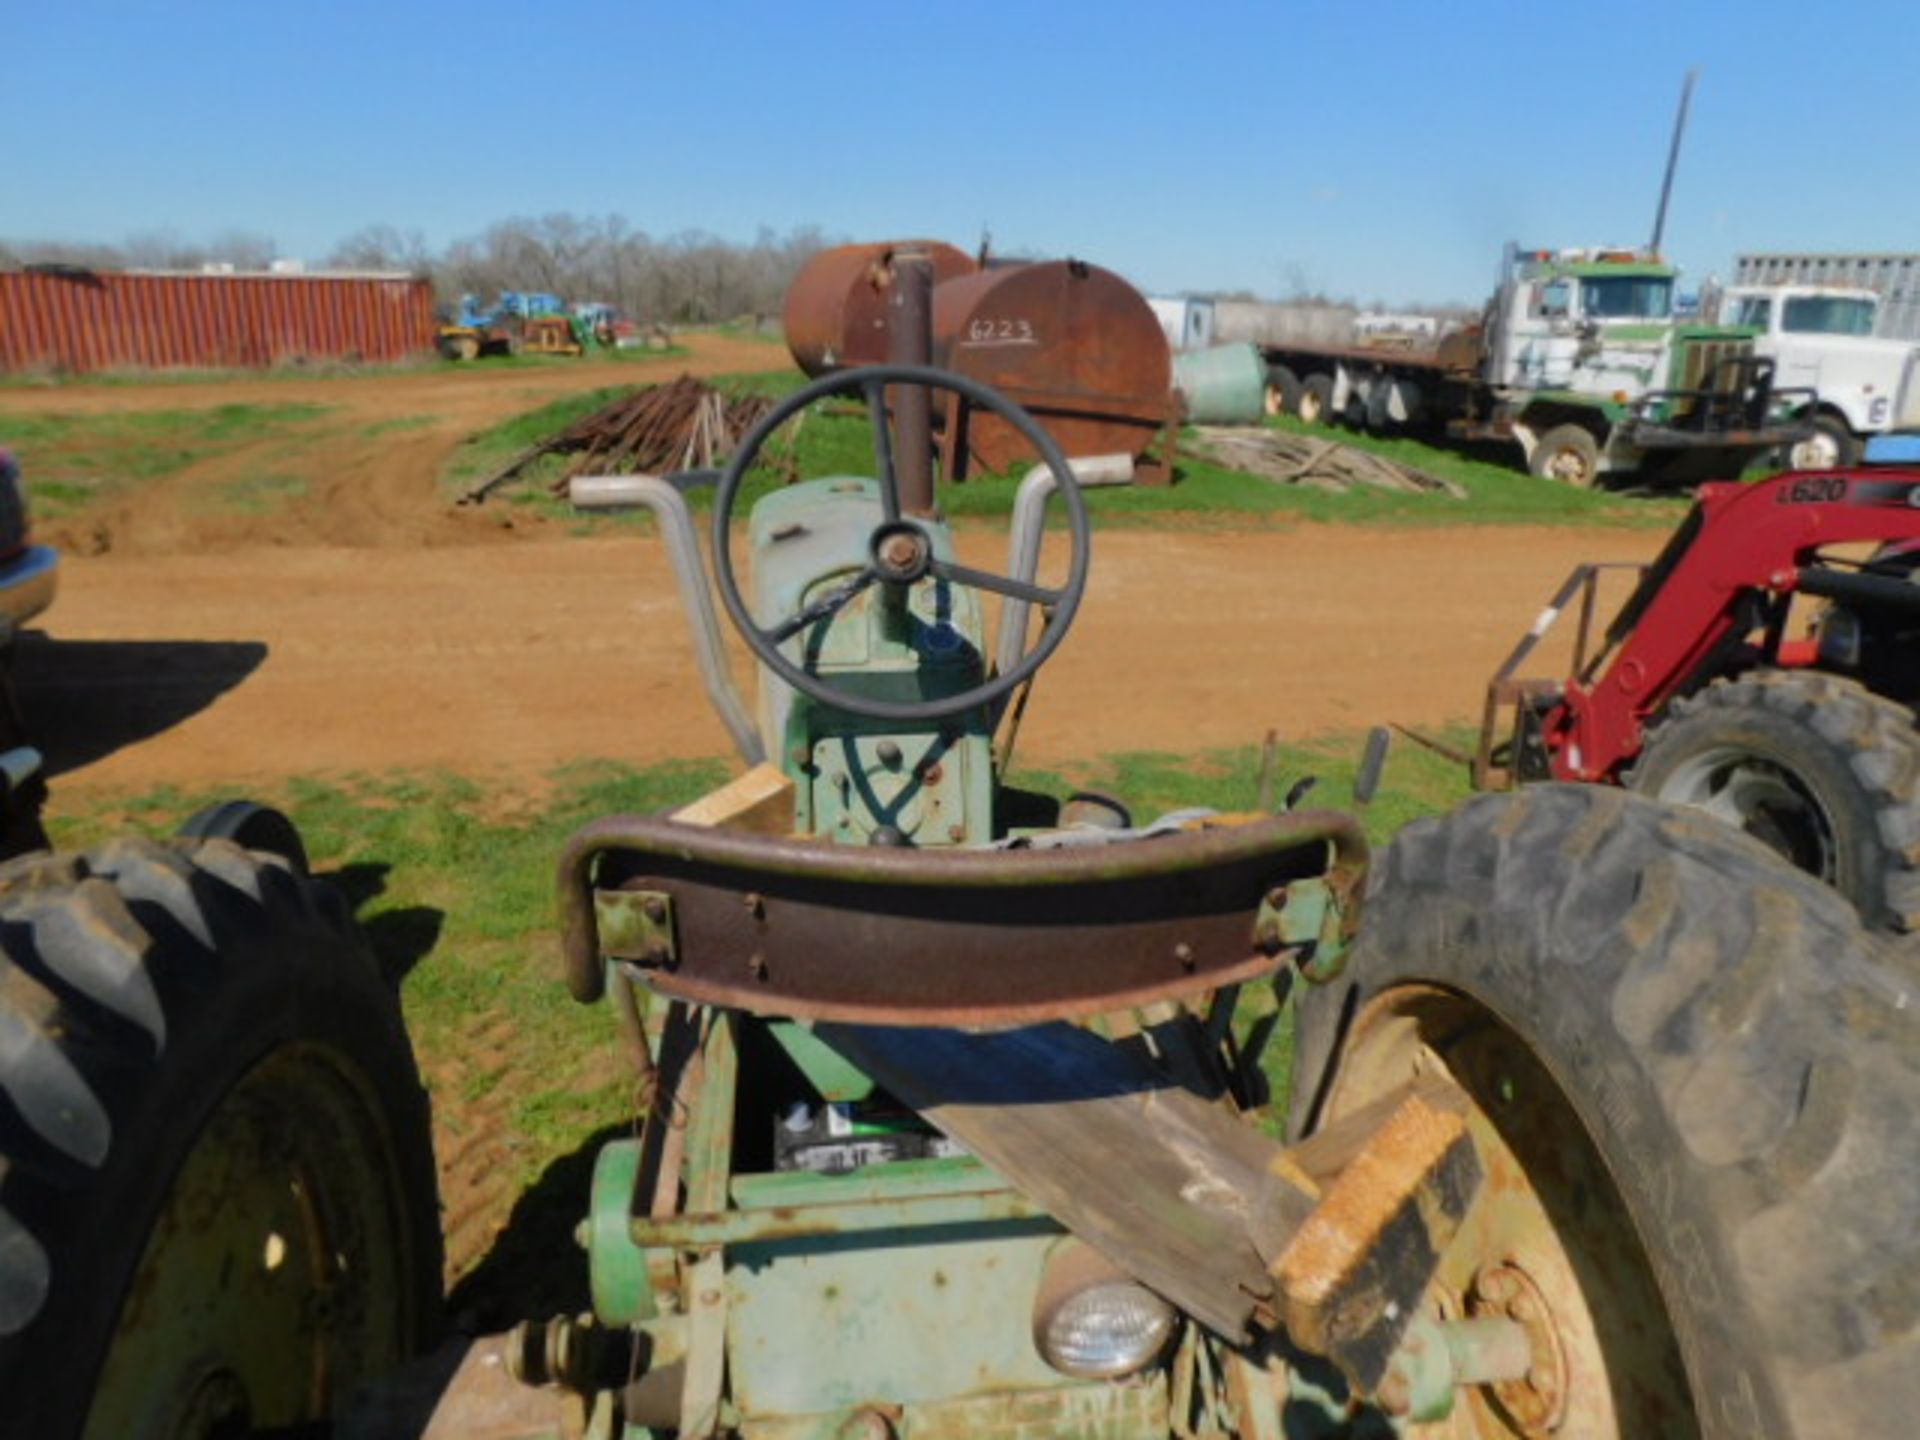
column 1822, row 336
column 1590, row 322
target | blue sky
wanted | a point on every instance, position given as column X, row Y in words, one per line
column 1382, row 150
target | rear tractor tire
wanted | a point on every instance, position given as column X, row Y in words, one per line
column 1690, row 1077
column 217, row 1210
column 1816, row 766
column 1568, row 454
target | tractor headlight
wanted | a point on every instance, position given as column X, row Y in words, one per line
column 1093, row 1321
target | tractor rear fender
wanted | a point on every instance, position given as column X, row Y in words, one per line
column 881, row 936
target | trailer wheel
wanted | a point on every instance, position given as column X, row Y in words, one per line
column 1283, row 391
column 1568, row 454
column 217, row 1209
column 1816, row 766
column 1830, row 446
column 1316, row 399
column 1691, row 1080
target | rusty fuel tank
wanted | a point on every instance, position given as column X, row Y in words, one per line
column 836, row 310
column 1075, row 344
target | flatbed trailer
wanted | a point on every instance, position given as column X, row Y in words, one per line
column 1577, row 360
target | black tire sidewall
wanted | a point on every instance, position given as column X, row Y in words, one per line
column 1845, row 447
column 1511, row 950
column 288, row 980
column 1624, row 1116
column 1320, row 388
column 1564, row 437
column 1862, row 862
column 1284, row 386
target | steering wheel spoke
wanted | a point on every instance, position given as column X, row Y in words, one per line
column 999, row 584
column 888, row 560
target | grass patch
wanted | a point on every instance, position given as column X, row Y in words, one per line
column 1207, row 493
column 453, row 885
column 480, row 455
column 71, row 460
column 455, row 891
column 1416, row 781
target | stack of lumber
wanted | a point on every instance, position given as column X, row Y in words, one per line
column 685, row 424
column 1319, row 461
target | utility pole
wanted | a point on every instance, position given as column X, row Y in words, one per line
column 1673, row 160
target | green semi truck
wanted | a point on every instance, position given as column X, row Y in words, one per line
column 1579, row 359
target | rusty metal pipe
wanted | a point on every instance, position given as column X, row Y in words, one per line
column 848, row 1217
column 633, row 1028
column 910, row 342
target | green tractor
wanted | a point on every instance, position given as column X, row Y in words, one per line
column 953, row 1117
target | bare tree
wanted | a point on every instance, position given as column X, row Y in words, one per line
column 692, row 276
column 383, row 247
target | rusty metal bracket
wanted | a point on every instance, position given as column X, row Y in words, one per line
column 910, row 937
column 1309, row 919
column 636, row 925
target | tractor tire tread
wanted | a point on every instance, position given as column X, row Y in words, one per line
column 1680, row 959
column 103, row 955
column 1876, row 736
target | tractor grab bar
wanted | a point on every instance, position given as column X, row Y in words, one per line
column 669, row 507
column 1023, row 539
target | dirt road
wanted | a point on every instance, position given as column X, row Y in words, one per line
column 510, row 660
column 365, row 624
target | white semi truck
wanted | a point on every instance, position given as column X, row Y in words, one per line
column 1578, row 359
column 1822, row 336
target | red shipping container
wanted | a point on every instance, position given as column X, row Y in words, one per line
column 71, row 319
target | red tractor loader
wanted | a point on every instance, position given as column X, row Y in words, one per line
column 1696, row 694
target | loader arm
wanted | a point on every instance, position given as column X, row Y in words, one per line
column 1732, row 565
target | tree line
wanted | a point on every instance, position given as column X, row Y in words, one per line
column 691, row 277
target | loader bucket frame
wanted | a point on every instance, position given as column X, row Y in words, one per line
column 1511, row 697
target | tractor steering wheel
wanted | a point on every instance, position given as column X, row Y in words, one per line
column 900, row 549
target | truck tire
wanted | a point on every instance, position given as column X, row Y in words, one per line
column 1829, row 447
column 1283, row 391
column 1691, row 1078
column 1816, row 766
column 1568, row 454
column 1316, row 400
column 217, row 1210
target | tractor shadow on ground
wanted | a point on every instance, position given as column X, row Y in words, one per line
column 85, row 699
column 401, row 938
column 535, row 1268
